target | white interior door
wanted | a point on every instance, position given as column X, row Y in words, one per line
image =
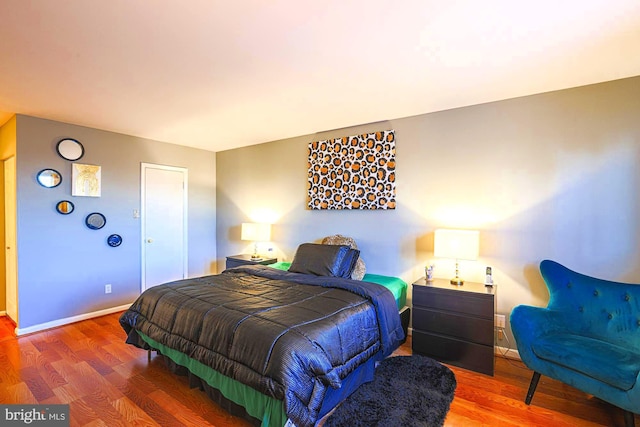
column 164, row 224
column 11, row 269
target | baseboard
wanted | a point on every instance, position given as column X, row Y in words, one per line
column 67, row 320
column 3, row 313
column 507, row 353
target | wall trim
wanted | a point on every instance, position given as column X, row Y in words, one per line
column 73, row 319
column 3, row 313
column 507, row 353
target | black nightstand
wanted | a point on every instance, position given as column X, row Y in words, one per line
column 455, row 324
column 244, row 259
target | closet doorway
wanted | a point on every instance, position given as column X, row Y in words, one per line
column 163, row 216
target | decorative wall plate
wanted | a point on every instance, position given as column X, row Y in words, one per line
column 114, row 240
column 95, row 221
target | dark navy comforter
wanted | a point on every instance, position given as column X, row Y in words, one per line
column 287, row 335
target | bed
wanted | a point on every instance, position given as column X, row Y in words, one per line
column 279, row 346
column 395, row 285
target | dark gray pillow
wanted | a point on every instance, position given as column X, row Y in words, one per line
column 324, row 260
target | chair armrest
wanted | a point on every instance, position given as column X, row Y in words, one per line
column 528, row 322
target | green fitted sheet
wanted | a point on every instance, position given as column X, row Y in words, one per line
column 396, row 285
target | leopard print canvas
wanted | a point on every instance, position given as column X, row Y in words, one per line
column 353, row 172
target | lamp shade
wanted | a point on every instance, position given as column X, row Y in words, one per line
column 255, row 232
column 457, row 244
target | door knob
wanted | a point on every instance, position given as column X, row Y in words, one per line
column 149, row 240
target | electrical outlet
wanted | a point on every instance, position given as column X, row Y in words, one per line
column 500, row 321
column 107, row 289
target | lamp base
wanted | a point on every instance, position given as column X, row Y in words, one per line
column 457, row 281
column 255, row 256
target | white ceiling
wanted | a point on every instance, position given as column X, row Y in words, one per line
column 220, row 74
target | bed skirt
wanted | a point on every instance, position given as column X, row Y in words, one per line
column 214, row 394
column 245, row 402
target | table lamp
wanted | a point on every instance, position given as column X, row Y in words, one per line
column 255, row 232
column 456, row 244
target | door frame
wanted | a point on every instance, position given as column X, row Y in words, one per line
column 143, row 231
column 12, row 311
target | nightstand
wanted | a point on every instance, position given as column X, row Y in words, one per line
column 455, row 324
column 245, row 259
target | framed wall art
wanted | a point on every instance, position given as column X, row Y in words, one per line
column 86, row 180
column 353, row 172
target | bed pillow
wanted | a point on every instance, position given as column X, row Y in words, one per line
column 324, row 260
column 338, row 239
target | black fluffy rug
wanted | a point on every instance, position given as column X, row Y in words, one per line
column 406, row 391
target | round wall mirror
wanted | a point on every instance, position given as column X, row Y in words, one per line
column 49, row 178
column 70, row 149
column 65, row 207
column 95, row 221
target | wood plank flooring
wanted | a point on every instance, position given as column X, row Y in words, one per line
column 109, row 383
column 6, row 328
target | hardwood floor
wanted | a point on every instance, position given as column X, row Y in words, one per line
column 109, row 383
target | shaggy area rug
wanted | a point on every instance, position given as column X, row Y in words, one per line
column 406, row 391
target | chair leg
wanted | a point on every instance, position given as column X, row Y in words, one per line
column 629, row 420
column 532, row 387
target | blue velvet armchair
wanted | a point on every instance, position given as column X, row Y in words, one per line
column 588, row 337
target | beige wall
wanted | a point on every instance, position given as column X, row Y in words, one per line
column 7, row 149
column 547, row 176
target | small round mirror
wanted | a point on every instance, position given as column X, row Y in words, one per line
column 49, row 178
column 65, row 207
column 70, row 149
column 95, row 221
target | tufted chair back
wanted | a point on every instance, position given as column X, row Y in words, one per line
column 609, row 311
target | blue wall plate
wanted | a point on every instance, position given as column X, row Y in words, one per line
column 114, row 240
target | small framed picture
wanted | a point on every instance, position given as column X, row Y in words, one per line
column 86, row 180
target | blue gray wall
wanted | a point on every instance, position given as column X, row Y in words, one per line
column 63, row 265
column 553, row 176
